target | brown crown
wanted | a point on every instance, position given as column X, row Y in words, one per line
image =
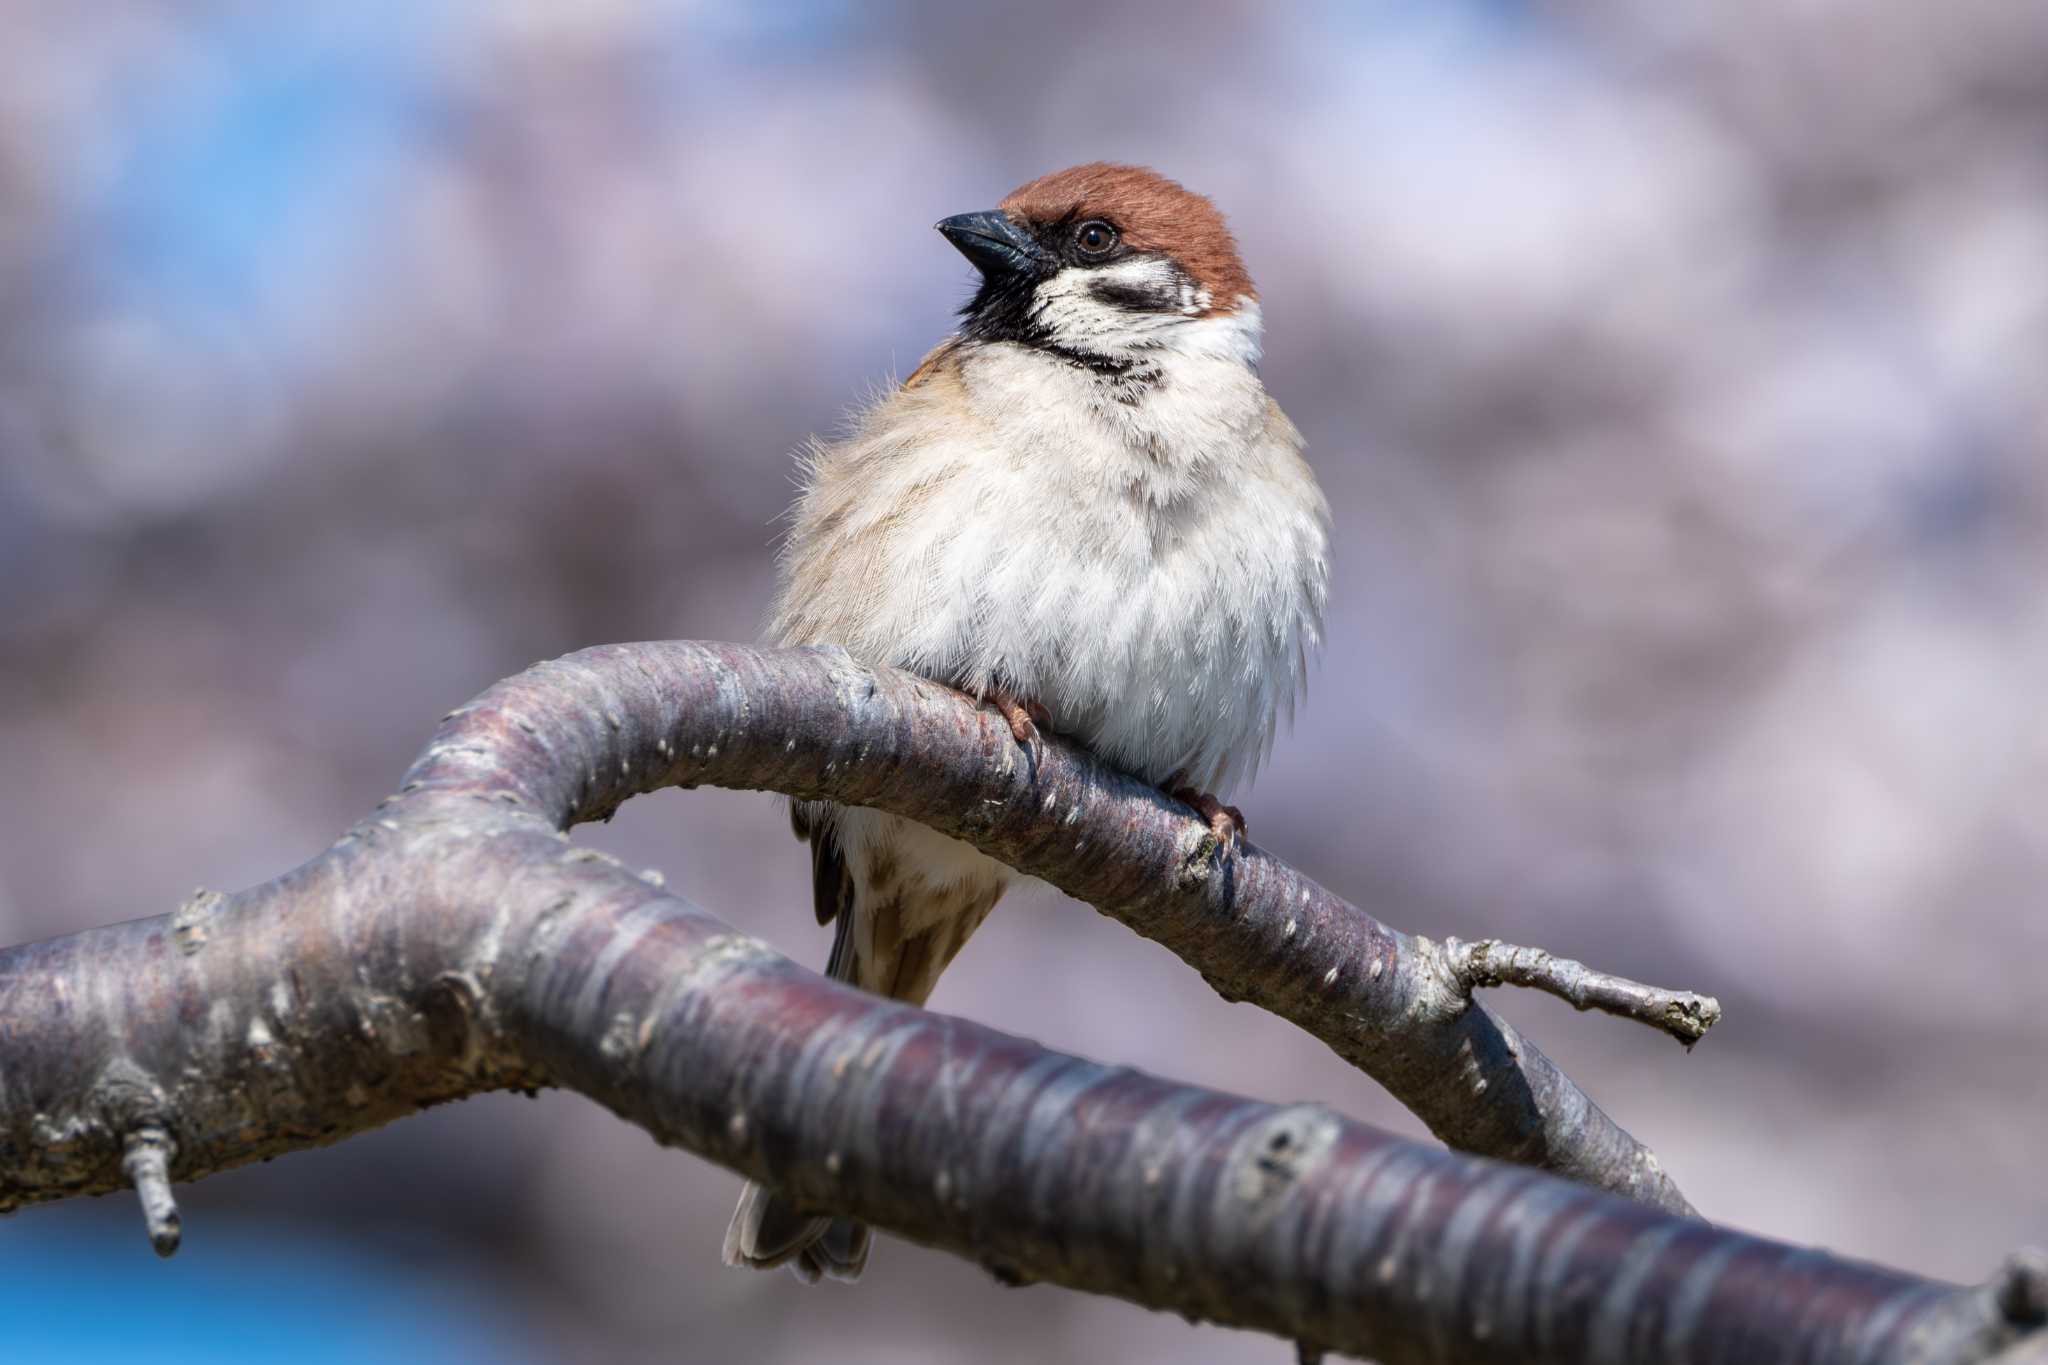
column 1153, row 214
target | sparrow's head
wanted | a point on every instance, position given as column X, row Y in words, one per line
column 1104, row 264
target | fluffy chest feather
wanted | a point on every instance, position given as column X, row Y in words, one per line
column 1142, row 552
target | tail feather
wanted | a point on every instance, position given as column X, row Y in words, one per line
column 906, row 936
column 841, row 1254
column 768, row 1231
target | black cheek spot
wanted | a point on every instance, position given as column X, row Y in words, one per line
column 1135, row 298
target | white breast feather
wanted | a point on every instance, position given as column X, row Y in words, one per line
column 1153, row 572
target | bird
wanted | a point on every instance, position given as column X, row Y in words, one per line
column 1083, row 509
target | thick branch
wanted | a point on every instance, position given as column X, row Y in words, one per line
column 456, row 942
column 570, row 740
column 459, row 945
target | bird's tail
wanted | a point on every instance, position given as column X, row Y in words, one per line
column 901, row 958
column 767, row 1230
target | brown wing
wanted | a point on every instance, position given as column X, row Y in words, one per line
column 768, row 1230
column 832, row 889
column 831, row 884
column 941, row 357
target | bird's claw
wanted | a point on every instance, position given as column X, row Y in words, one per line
column 1225, row 822
column 1025, row 717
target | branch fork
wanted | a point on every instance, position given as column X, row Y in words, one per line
column 456, row 942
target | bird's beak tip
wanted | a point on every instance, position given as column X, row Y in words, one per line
column 995, row 245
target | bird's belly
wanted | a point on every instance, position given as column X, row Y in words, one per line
column 1164, row 648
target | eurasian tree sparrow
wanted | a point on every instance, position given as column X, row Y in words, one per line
column 1082, row 507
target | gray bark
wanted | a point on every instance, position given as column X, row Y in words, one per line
column 456, row 942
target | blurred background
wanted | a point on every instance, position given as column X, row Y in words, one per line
column 1676, row 372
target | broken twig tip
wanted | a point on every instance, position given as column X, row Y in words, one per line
column 2021, row 1288
column 147, row 1164
column 1684, row 1015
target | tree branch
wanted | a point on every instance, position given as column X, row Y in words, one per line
column 456, row 942
column 621, row 720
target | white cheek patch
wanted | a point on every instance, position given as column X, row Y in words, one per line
column 1079, row 306
column 1073, row 309
column 1148, row 273
column 1150, row 278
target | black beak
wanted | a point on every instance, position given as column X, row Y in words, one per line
column 997, row 246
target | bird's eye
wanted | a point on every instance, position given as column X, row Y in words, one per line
column 1095, row 238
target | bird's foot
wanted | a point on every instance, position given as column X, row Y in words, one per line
column 1225, row 822
column 1024, row 716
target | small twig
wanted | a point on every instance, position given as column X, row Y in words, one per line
column 146, row 1161
column 1489, row 962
